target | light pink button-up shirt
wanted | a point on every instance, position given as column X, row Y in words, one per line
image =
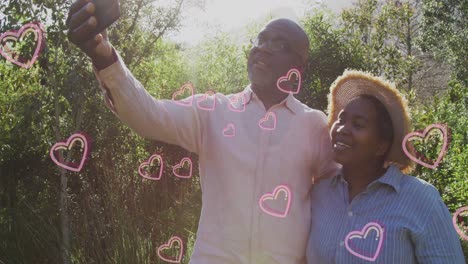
column 236, row 169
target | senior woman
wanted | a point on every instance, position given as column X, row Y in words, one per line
column 371, row 211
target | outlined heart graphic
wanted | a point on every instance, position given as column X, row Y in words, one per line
column 237, row 103
column 180, row 165
column 80, row 138
column 150, row 162
column 184, row 101
column 417, row 135
column 17, row 36
column 274, row 196
column 229, row 130
column 169, row 245
column 463, row 233
column 362, row 234
column 268, row 122
column 286, row 83
column 204, row 104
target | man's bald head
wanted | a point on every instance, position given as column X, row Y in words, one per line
column 280, row 46
column 299, row 39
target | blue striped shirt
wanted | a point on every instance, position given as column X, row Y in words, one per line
column 397, row 219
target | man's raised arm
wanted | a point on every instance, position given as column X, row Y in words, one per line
column 155, row 119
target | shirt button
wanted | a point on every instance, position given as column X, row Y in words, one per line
column 341, row 243
column 350, row 213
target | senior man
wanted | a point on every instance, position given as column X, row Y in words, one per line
column 241, row 160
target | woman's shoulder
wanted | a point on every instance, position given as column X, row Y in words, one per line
column 419, row 189
column 418, row 197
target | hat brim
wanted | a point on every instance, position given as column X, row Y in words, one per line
column 355, row 83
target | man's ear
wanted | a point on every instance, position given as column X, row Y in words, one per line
column 301, row 69
column 304, row 68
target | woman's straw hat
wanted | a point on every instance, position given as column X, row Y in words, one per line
column 354, row 83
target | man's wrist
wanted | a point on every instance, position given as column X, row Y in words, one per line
column 102, row 63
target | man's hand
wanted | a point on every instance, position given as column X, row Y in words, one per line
column 81, row 24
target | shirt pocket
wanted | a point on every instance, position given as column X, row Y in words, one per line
column 396, row 246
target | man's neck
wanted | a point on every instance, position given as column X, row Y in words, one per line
column 270, row 98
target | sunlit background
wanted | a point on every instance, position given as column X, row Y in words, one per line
column 203, row 18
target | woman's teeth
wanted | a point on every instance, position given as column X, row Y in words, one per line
column 341, row 146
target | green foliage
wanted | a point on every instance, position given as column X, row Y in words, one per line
column 371, row 36
column 446, row 34
column 164, row 71
column 388, row 31
column 115, row 216
column 450, row 176
column 331, row 52
column 219, row 64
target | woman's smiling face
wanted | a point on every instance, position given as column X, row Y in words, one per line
column 355, row 135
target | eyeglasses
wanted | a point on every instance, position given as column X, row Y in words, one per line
column 275, row 45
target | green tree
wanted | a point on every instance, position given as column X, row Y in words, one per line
column 389, row 30
column 330, row 53
column 57, row 97
column 219, row 64
column 450, row 176
column 444, row 32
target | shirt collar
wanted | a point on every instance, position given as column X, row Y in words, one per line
column 338, row 178
column 392, row 178
column 290, row 102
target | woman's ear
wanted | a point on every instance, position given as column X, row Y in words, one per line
column 383, row 148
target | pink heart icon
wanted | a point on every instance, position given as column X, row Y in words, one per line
column 362, row 234
column 229, row 130
column 150, row 162
column 170, row 246
column 203, row 102
column 462, row 233
column 268, row 122
column 417, row 135
column 18, row 36
column 237, row 103
column 180, row 165
column 274, row 196
column 68, row 145
column 286, row 83
column 186, row 101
